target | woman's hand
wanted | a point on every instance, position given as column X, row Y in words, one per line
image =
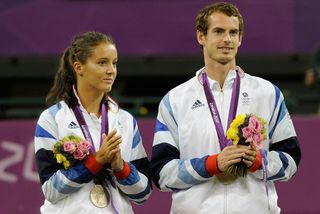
column 109, row 148
column 117, row 163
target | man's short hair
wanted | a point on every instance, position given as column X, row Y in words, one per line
column 222, row 7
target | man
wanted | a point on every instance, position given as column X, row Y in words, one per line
column 190, row 155
column 312, row 75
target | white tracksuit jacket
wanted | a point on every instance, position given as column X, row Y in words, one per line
column 67, row 191
column 185, row 137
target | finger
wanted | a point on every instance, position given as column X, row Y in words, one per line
column 115, row 137
column 254, row 148
column 227, row 158
column 242, row 147
column 111, row 134
column 250, row 153
column 104, row 136
column 235, row 156
column 233, row 161
column 235, row 147
column 110, row 153
column 107, row 146
column 249, row 158
column 114, row 140
column 247, row 162
column 234, row 151
column 223, row 163
column 113, row 152
column 107, row 141
column 113, row 144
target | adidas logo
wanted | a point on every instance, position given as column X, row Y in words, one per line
column 197, row 104
column 73, row 125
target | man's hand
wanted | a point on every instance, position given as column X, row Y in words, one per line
column 231, row 155
column 250, row 156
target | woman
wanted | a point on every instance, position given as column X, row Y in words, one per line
column 89, row 152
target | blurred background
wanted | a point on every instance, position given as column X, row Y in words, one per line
column 157, row 50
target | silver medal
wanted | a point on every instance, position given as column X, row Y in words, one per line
column 99, row 197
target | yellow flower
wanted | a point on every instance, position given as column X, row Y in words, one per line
column 238, row 121
column 56, row 148
column 60, row 158
column 66, row 164
column 236, row 140
column 71, row 138
column 233, row 133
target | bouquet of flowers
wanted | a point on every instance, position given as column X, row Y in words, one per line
column 245, row 129
column 71, row 149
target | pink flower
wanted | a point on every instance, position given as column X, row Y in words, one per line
column 69, row 147
column 84, row 146
column 79, row 155
column 253, row 132
column 255, row 124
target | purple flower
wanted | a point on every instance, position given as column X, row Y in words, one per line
column 69, row 147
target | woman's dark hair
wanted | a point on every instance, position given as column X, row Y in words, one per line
column 80, row 49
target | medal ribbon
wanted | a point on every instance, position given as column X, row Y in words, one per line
column 265, row 174
column 87, row 135
column 104, row 129
column 223, row 141
column 84, row 127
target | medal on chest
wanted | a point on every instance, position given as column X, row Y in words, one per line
column 99, row 197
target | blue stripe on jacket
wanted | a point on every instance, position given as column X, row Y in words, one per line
column 282, row 113
column 199, row 165
column 166, row 102
column 285, row 163
column 160, row 127
column 136, row 139
column 41, row 132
